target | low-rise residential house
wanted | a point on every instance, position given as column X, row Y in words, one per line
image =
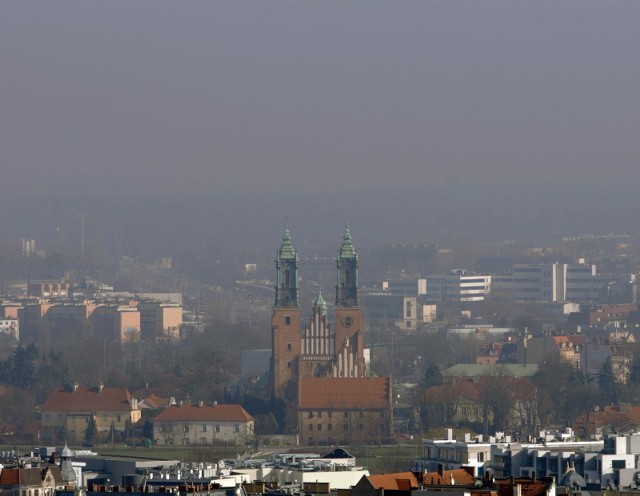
column 448, row 454
column 611, row 418
column 396, row 484
column 489, row 353
column 459, row 476
column 344, row 410
column 33, row 481
column 537, row 349
column 526, row 486
column 68, row 412
column 10, row 327
column 616, row 315
column 456, row 401
column 154, row 402
column 509, row 402
column 203, row 424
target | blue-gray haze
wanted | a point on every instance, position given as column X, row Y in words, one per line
column 495, row 118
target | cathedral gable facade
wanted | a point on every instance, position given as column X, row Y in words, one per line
column 317, row 349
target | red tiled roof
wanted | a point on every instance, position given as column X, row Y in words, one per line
column 109, row 399
column 344, row 392
column 529, row 488
column 404, row 481
column 154, row 402
column 456, row 388
column 220, row 413
column 457, row 477
column 9, row 476
column 158, row 391
column 29, row 476
column 623, row 416
column 520, row 388
column 580, row 339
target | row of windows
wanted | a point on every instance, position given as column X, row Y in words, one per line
column 203, row 428
column 59, row 417
column 330, row 414
column 330, row 427
column 36, row 492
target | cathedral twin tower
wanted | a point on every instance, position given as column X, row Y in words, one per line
column 318, row 349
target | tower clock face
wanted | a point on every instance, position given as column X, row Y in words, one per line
column 347, row 321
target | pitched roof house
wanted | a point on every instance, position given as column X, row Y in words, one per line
column 37, row 481
column 202, row 424
column 397, row 484
column 339, row 410
column 618, row 417
column 67, row 411
column 458, row 476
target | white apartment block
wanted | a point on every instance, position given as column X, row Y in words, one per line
column 474, row 287
column 11, row 327
column 555, row 282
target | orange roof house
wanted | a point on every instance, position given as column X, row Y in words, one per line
column 457, row 476
column 66, row 413
column 31, row 480
column 616, row 417
column 344, row 393
column 525, row 486
column 202, row 424
column 464, row 400
column 337, row 410
column 401, row 483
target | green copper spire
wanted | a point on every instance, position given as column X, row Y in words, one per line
column 320, row 303
column 347, row 249
column 287, row 251
column 347, row 265
column 286, row 273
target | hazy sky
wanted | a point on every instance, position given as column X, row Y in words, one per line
column 205, row 96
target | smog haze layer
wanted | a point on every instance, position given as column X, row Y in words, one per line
column 418, row 120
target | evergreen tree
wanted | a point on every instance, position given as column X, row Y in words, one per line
column 91, row 433
column 51, row 373
column 22, row 367
column 607, row 382
column 634, row 372
column 432, row 377
column 147, row 429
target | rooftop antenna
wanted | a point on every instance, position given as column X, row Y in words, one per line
column 82, row 267
column 56, row 221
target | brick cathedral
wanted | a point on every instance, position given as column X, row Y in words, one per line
column 318, row 365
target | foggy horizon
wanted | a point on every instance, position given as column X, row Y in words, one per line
column 267, row 98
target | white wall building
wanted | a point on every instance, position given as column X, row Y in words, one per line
column 555, row 282
column 10, row 327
